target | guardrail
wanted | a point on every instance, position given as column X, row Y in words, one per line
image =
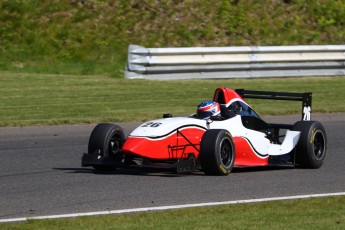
column 234, row 62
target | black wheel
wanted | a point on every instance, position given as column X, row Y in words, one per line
column 312, row 145
column 217, row 152
column 106, row 141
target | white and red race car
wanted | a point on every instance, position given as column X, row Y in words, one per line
column 237, row 138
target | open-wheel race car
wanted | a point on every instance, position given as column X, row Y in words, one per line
column 224, row 133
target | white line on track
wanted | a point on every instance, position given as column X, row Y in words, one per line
column 161, row 208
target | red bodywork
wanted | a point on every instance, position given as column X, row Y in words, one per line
column 185, row 141
column 175, row 146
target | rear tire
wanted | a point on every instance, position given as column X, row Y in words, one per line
column 106, row 141
column 310, row 151
column 217, row 152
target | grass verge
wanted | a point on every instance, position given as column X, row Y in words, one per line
column 41, row 99
column 92, row 36
column 315, row 213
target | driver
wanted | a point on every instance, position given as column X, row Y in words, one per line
column 207, row 109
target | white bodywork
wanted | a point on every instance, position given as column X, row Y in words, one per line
column 261, row 144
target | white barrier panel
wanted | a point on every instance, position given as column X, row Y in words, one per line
column 234, row 62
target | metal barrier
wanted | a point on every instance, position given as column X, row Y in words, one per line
column 234, row 62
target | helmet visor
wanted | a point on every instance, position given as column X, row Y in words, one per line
column 204, row 114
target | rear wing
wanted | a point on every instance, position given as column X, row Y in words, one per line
column 304, row 97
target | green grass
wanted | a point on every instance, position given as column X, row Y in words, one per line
column 316, row 213
column 92, row 36
column 41, row 99
column 83, row 44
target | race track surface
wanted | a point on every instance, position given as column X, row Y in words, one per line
column 40, row 174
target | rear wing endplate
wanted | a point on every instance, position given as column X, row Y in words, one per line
column 304, row 97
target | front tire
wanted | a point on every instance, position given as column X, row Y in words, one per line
column 106, row 141
column 217, row 152
column 312, row 145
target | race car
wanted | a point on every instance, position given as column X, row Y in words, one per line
column 224, row 133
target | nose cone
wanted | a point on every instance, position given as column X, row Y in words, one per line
column 178, row 144
column 149, row 148
column 169, row 138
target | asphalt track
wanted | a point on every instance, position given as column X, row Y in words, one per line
column 40, row 174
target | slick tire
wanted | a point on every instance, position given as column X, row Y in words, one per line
column 217, row 152
column 310, row 151
column 106, row 140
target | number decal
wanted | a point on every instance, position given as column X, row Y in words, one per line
column 151, row 124
column 307, row 113
column 156, row 124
